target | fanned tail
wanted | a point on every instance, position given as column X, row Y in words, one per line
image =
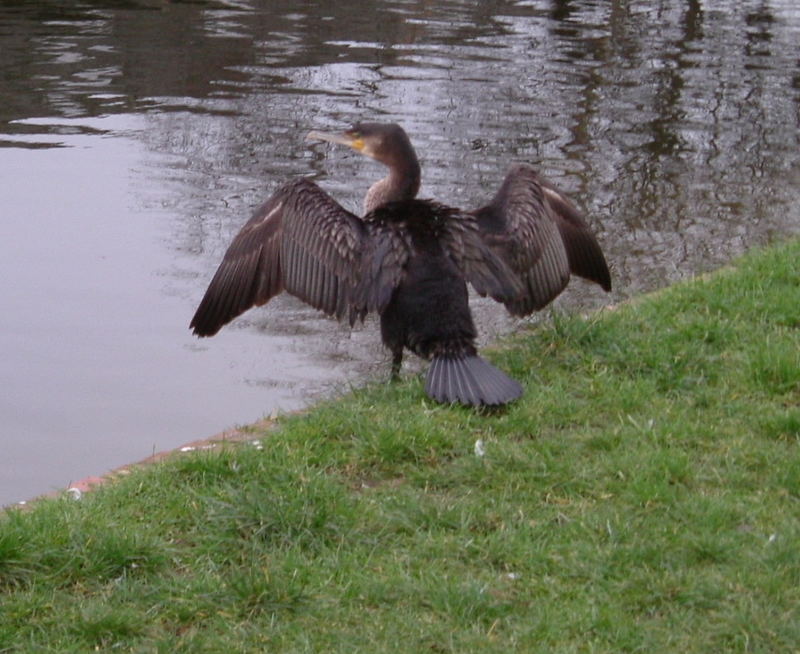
column 470, row 380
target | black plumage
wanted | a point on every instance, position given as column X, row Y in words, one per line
column 409, row 261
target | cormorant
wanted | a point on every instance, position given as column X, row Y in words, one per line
column 409, row 261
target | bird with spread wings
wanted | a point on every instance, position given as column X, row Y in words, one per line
column 409, row 261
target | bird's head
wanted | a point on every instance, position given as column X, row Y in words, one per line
column 384, row 142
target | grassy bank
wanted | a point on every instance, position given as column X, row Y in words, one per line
column 643, row 496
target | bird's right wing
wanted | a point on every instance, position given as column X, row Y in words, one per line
column 541, row 236
column 583, row 251
column 300, row 240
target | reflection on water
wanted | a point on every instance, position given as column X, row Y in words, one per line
column 135, row 137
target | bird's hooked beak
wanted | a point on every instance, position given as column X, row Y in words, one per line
column 350, row 139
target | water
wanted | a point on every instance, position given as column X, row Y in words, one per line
column 135, row 138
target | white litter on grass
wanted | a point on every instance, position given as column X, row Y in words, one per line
column 75, row 493
column 192, row 448
column 480, row 449
column 772, row 538
column 257, row 444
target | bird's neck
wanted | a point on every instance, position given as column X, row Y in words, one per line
column 402, row 183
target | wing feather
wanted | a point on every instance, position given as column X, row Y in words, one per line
column 301, row 241
column 585, row 256
column 541, row 236
column 324, row 243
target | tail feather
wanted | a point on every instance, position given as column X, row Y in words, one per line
column 469, row 380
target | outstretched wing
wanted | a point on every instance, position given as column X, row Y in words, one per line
column 583, row 251
column 301, row 241
column 541, row 236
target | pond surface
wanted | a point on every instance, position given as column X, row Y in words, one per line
column 136, row 137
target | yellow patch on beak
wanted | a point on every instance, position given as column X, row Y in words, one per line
column 349, row 139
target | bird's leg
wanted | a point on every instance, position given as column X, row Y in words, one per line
column 397, row 361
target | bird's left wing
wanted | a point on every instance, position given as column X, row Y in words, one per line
column 322, row 251
column 300, row 240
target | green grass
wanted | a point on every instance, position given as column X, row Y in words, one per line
column 644, row 496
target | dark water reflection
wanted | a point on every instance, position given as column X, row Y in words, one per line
column 136, row 136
